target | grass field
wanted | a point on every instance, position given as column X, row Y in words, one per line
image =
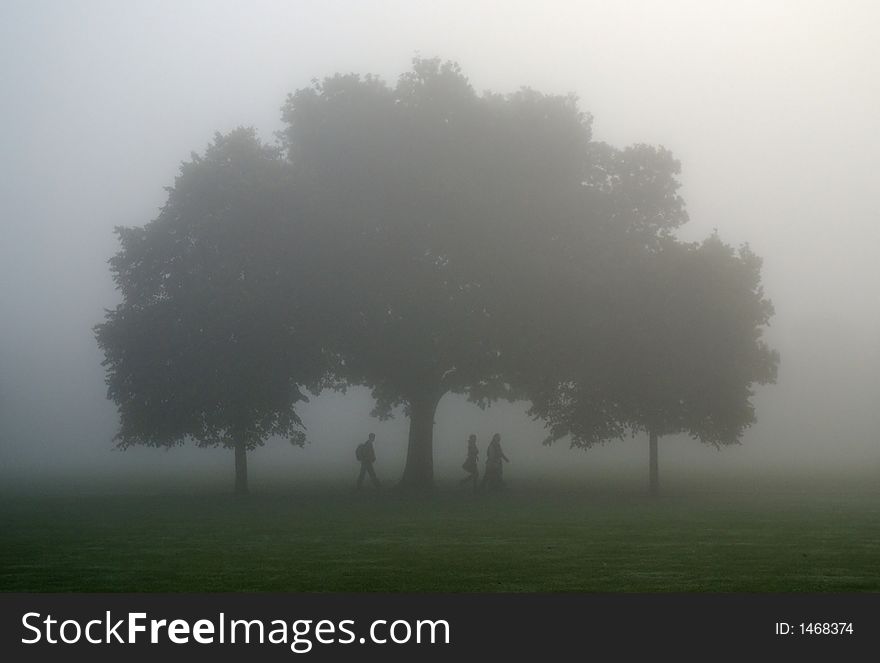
column 531, row 538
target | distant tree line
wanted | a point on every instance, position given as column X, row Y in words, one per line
column 422, row 239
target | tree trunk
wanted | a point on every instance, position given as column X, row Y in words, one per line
column 241, row 479
column 654, row 469
column 418, row 475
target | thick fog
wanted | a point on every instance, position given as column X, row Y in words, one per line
column 771, row 107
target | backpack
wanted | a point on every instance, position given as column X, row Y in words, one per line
column 361, row 452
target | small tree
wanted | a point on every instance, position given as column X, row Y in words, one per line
column 206, row 344
column 682, row 356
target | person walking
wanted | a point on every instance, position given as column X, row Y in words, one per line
column 367, row 456
column 493, row 478
column 470, row 463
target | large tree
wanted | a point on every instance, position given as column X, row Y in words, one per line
column 453, row 228
column 208, row 343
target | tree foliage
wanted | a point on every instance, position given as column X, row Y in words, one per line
column 422, row 239
column 206, row 344
column 682, row 354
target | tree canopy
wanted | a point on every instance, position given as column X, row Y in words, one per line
column 682, row 354
column 423, row 239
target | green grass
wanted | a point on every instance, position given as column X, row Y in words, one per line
column 529, row 539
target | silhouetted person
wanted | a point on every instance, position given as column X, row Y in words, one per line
column 493, row 477
column 367, row 456
column 470, row 463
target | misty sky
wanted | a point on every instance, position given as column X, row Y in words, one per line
column 772, row 108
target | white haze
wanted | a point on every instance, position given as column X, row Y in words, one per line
column 772, row 108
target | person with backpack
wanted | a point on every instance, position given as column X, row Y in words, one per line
column 367, row 456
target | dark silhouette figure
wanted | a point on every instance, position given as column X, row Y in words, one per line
column 493, row 476
column 367, row 456
column 470, row 463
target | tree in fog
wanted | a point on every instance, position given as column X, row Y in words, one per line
column 563, row 349
column 454, row 227
column 423, row 239
column 207, row 343
column 684, row 353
